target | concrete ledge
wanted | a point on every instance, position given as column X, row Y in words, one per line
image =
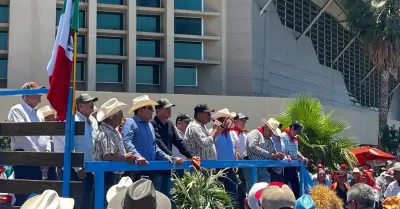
column 82, row 5
column 4, row 26
column 185, row 37
column 150, row 59
column 197, row 62
column 151, row 35
column 111, row 8
column 112, row 32
column 150, row 10
column 191, row 13
column 111, row 58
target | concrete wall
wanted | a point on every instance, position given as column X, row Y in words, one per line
column 363, row 125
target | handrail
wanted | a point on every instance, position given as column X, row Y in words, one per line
column 23, row 92
column 99, row 167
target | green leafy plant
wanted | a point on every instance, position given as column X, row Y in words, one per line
column 319, row 140
column 201, row 189
column 5, row 143
column 391, row 139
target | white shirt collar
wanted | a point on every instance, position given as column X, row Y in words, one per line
column 27, row 107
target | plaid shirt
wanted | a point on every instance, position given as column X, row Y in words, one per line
column 199, row 141
column 291, row 146
column 258, row 147
column 107, row 141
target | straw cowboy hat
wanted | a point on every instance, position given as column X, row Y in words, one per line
column 140, row 195
column 123, row 184
column 141, row 101
column 46, row 111
column 273, row 124
column 223, row 113
column 48, row 200
column 109, row 108
column 396, row 167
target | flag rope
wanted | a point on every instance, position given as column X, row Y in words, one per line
column 74, row 73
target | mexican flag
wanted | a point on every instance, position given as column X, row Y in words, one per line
column 60, row 64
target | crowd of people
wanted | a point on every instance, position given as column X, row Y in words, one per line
column 149, row 134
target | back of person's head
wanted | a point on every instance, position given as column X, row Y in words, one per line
column 325, row 198
column 362, row 194
column 277, row 195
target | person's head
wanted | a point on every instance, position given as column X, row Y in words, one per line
column 389, row 164
column 321, row 175
column 295, row 128
column 163, row 109
column 343, row 167
column 360, row 196
column 253, row 199
column 32, row 100
column 48, row 113
column 324, row 197
column 85, row 104
column 111, row 112
column 240, row 120
column 271, row 127
column 182, row 121
column 396, row 171
column 340, row 177
column 143, row 107
column 224, row 116
column 277, row 196
column 356, row 174
column 202, row 113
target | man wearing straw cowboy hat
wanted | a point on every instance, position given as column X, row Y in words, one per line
column 139, row 137
column 49, row 199
column 108, row 145
column 394, row 188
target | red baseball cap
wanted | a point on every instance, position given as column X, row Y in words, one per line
column 320, row 166
column 343, row 166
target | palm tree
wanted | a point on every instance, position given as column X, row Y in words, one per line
column 319, row 140
column 201, row 189
column 377, row 22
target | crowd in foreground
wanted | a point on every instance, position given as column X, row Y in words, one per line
column 148, row 134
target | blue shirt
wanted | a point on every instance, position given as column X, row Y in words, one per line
column 139, row 138
column 279, row 144
column 224, row 147
column 85, row 143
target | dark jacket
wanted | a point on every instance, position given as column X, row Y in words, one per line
column 166, row 136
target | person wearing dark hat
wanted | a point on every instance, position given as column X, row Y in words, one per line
column 340, row 186
column 27, row 111
column 166, row 137
column 140, row 195
column 199, row 141
column 290, row 139
column 181, row 123
column 85, row 107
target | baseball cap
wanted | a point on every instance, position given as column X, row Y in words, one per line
column 343, row 166
column 252, row 200
column 183, row 117
column 85, row 97
column 297, row 126
column 277, row 195
column 240, row 116
column 202, row 108
column 320, row 166
column 164, row 103
column 32, row 85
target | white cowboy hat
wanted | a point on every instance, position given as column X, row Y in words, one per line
column 46, row 111
column 95, row 109
column 141, row 101
column 223, row 113
column 396, row 167
column 49, row 199
column 273, row 124
column 124, row 183
column 109, row 108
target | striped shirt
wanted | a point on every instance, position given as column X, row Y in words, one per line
column 258, row 147
column 291, row 146
column 199, row 141
column 107, row 141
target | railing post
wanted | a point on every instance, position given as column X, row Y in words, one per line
column 253, row 175
column 302, row 173
column 99, row 191
column 69, row 135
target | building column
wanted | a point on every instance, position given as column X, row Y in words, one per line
column 130, row 78
column 91, row 45
column 167, row 73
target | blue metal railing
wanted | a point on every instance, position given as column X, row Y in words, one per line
column 98, row 168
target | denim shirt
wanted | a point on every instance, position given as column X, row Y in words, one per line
column 85, row 143
column 225, row 148
column 139, row 138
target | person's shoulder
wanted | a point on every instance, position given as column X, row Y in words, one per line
column 16, row 108
column 392, row 184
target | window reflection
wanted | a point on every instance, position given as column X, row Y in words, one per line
column 108, row 72
column 147, row 74
column 185, row 76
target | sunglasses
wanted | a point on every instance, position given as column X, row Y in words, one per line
column 148, row 107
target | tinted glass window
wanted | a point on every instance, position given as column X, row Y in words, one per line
column 80, row 71
column 3, row 68
column 147, row 74
column 110, row 20
column 189, row 4
column 110, row 46
column 191, row 26
column 185, row 76
column 148, row 23
column 148, row 3
column 147, row 48
column 188, row 50
column 82, row 17
column 81, row 44
column 120, row 2
column 108, row 72
column 3, row 40
column 4, row 13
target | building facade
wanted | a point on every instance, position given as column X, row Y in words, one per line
column 155, row 46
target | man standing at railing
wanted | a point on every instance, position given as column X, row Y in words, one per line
column 85, row 108
column 167, row 137
column 201, row 142
column 290, row 138
column 139, row 138
column 27, row 111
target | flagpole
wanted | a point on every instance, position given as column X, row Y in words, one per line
column 74, row 73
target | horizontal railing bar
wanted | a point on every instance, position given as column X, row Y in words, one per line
column 104, row 166
column 23, row 92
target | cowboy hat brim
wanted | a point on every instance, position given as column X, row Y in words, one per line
column 397, row 168
column 65, row 203
column 102, row 116
column 142, row 104
column 276, row 132
column 217, row 115
column 162, row 201
column 112, row 192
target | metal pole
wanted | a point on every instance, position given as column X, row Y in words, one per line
column 264, row 8
column 315, row 19
column 67, row 148
column 366, row 76
column 346, row 47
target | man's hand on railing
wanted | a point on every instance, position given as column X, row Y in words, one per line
column 142, row 161
column 196, row 162
column 130, row 158
column 81, row 174
column 176, row 160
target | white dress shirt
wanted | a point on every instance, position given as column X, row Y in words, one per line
column 59, row 143
column 175, row 150
column 392, row 190
column 239, row 141
column 24, row 113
